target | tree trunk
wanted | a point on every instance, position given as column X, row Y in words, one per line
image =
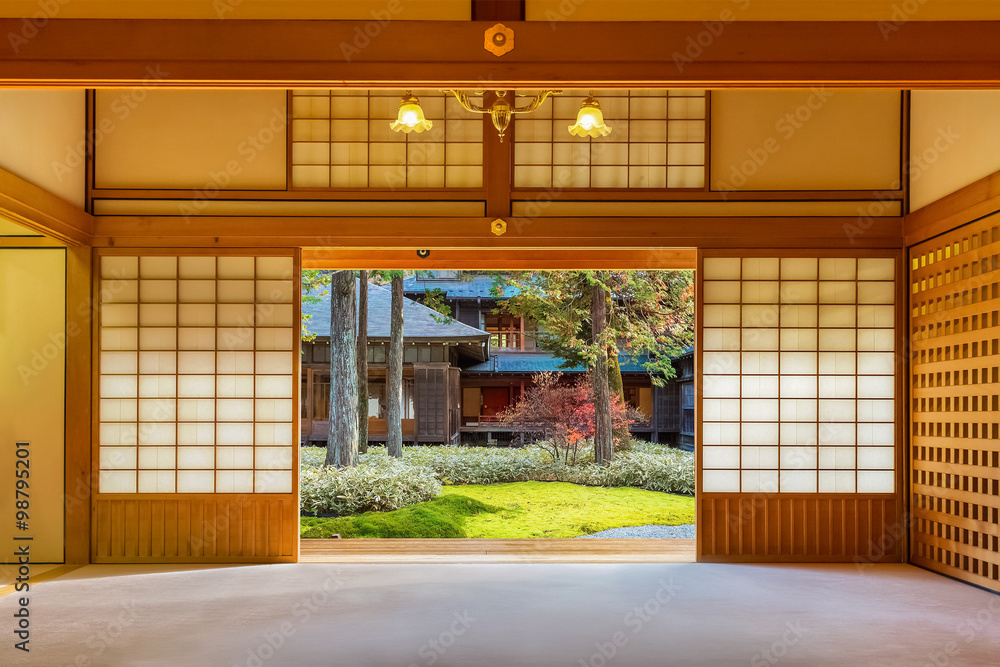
column 603, row 442
column 619, row 432
column 394, row 381
column 342, row 443
column 363, row 363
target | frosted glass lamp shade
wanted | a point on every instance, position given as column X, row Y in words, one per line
column 410, row 117
column 590, row 120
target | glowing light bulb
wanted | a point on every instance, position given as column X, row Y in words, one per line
column 410, row 117
column 590, row 120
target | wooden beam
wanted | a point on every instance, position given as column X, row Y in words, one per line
column 413, row 54
column 357, row 258
column 474, row 234
column 79, row 379
column 42, row 212
column 960, row 207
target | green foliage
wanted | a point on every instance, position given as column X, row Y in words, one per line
column 443, row 517
column 381, row 483
column 314, row 283
column 514, row 510
column 434, row 299
column 649, row 312
column 375, row 484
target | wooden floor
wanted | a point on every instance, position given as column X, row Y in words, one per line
column 497, row 551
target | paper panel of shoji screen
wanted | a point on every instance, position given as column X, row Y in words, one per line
column 657, row 140
column 798, row 375
column 196, row 372
column 341, row 139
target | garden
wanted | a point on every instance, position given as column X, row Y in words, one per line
column 491, row 492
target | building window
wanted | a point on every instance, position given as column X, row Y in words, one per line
column 376, row 354
column 505, row 331
column 657, row 141
column 341, row 139
column 378, row 401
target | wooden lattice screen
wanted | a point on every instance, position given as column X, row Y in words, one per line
column 955, row 451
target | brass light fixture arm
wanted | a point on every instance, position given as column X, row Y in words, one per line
column 536, row 101
column 463, row 99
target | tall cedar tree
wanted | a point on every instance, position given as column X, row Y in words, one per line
column 604, row 446
column 342, row 443
column 362, row 362
column 394, row 381
column 646, row 313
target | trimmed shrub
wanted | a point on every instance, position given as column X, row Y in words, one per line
column 644, row 466
column 382, row 485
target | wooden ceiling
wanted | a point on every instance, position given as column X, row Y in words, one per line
column 282, row 54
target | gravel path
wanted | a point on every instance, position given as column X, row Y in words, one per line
column 652, row 531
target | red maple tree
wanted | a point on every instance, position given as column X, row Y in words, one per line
column 558, row 415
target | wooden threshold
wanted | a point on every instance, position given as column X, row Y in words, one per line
column 497, row 551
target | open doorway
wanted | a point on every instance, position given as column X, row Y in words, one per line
column 498, row 410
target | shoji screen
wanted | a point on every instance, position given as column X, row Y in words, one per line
column 799, row 455
column 657, row 140
column 341, row 139
column 955, row 437
column 196, row 433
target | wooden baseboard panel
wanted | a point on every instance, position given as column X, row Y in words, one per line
column 497, row 551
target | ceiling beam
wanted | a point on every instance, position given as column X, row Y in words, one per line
column 41, row 211
column 552, row 259
column 281, row 54
column 474, row 235
column 974, row 201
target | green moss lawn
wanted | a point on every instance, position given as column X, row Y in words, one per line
column 515, row 510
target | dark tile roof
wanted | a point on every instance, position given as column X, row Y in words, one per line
column 477, row 287
column 418, row 320
column 536, row 362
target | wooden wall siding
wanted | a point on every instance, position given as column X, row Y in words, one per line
column 955, row 427
column 778, row 528
column 432, row 403
column 202, row 528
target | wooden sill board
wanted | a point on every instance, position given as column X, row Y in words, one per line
column 497, row 551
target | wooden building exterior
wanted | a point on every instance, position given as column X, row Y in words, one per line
column 434, row 350
column 831, row 178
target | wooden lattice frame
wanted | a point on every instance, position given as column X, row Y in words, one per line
column 954, row 429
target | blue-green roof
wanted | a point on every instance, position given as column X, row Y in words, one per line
column 537, row 362
column 419, row 321
column 476, row 287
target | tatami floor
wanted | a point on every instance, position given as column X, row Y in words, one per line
column 546, row 614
